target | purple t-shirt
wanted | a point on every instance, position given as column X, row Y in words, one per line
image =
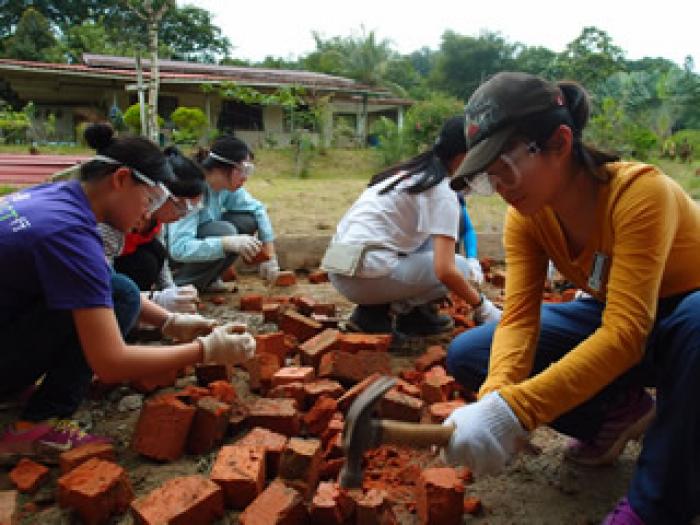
column 50, row 252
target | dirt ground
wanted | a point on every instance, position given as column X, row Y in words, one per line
column 538, row 489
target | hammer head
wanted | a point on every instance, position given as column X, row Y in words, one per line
column 361, row 432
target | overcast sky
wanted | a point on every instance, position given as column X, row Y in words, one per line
column 282, row 28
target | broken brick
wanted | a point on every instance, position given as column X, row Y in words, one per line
column 286, row 278
column 210, row 372
column 239, row 415
column 320, row 415
column 70, row 459
column 261, row 367
column 313, row 349
column 240, row 471
column 180, row 501
column 348, row 397
column 330, row 468
column 407, row 388
column 472, row 505
column 293, row 374
column 270, row 312
column 440, row 497
column 439, row 412
column 192, row 393
column 304, row 304
column 326, row 322
column 251, row 303
column 352, row 368
column 223, row 391
column 434, row 355
column 318, row 277
column 162, row 428
column 279, row 415
column 28, row 475
column 277, row 505
column 272, row 442
column 327, row 309
column 294, row 390
column 300, row 464
column 437, row 388
column 95, row 489
column 353, row 343
column 374, row 508
column 333, row 429
column 272, row 343
column 298, row 325
column 260, row 257
column 398, row 406
column 331, row 505
column 322, row 387
column 211, row 420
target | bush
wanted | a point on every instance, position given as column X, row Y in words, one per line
column 425, row 118
column 190, row 124
column 13, row 126
column 132, row 118
column 392, row 146
column 693, row 138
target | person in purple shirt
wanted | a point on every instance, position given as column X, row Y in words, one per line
column 57, row 302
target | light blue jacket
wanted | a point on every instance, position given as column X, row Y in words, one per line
column 183, row 244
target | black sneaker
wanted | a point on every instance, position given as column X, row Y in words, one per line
column 370, row 319
column 423, row 320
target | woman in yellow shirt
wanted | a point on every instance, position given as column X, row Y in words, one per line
column 630, row 237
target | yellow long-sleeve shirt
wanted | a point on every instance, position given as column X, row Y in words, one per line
column 648, row 235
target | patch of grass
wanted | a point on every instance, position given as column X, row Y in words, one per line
column 6, row 190
column 683, row 173
column 49, row 149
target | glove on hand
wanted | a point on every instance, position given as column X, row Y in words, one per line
column 246, row 246
column 487, row 312
column 177, row 299
column 185, row 327
column 269, row 269
column 487, row 435
column 227, row 345
column 474, row 272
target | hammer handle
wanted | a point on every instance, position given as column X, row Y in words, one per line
column 414, row 434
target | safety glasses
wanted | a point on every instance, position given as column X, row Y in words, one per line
column 185, row 207
column 509, row 177
column 245, row 166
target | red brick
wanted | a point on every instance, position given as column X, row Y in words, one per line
column 398, row 406
column 229, row 274
column 72, row 458
column 434, row 355
column 148, row 384
column 208, row 373
column 333, row 429
column 330, row 468
column 95, row 489
column 260, row 257
column 251, row 303
column 286, row 278
column 272, row 343
column 9, row 507
column 162, row 428
column 240, row 471
column 440, row 411
column 317, row 419
column 411, row 376
column 318, row 277
column 326, row 322
column 313, row 349
column 352, row 368
column 304, row 304
column 298, row 325
column 437, row 388
column 472, row 505
column 180, row 501
column 273, row 444
column 209, row 425
column 239, row 416
column 407, row 388
column 279, row 415
column 353, row 343
column 217, row 300
column 223, row 391
column 374, row 508
column 277, row 505
column 331, row 505
column 322, row 387
column 440, row 497
column 191, row 394
column 270, row 312
column 300, row 464
column 327, row 309
column 28, row 475
column 293, row 374
column 261, row 368
column 348, row 397
column 281, row 299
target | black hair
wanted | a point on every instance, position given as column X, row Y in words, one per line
column 574, row 114
column 228, row 147
column 189, row 177
column 134, row 152
column 431, row 163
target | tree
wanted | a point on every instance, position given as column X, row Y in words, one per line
column 536, row 60
column 590, row 58
column 189, row 33
column 32, row 39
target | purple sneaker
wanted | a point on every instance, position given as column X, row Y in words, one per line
column 625, row 422
column 623, row 514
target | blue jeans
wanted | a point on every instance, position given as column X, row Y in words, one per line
column 44, row 342
column 665, row 488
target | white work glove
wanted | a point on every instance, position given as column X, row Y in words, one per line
column 486, row 312
column 181, row 299
column 246, row 246
column 269, row 269
column 185, row 327
column 474, row 271
column 486, row 437
column 227, row 345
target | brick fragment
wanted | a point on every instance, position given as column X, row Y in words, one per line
column 9, row 507
column 298, row 325
column 162, row 428
column 440, row 411
column 223, row 391
column 28, row 475
column 270, row 312
column 437, row 388
column 348, row 397
column 239, row 415
column 211, row 420
column 304, row 304
column 191, row 393
column 472, row 505
column 313, row 349
column 398, row 406
column 330, row 468
column 229, row 274
column 440, row 497
column 72, row 458
column 218, row 300
column 326, row 322
column 300, row 464
column 272, row 343
column 208, row 373
column 434, row 355
column 272, row 442
column 277, row 505
column 317, row 419
column 331, row 505
column 261, row 367
column 374, row 508
column 322, row 387
column 260, row 257
column 180, row 501
column 286, row 278
column 251, row 303
column 318, row 277
column 407, row 388
column 327, row 309
column 279, row 415
column 95, row 489
column 240, row 471
column 352, row 368
column 353, row 343
column 333, row 429
column 293, row 374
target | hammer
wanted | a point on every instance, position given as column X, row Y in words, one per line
column 361, row 432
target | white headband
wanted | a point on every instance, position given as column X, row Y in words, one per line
column 222, row 159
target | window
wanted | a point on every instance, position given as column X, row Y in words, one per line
column 238, row 116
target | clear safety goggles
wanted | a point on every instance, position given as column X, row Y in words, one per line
column 185, row 207
column 156, row 191
column 485, row 183
column 246, row 167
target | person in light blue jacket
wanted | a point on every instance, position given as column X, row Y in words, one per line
column 230, row 223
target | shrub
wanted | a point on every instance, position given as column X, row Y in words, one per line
column 190, row 124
